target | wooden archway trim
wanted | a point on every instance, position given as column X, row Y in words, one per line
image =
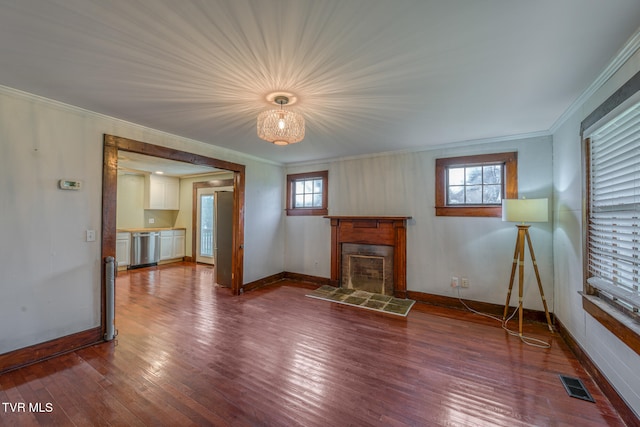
column 109, row 198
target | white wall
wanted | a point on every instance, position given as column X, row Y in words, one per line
column 130, row 201
column 617, row 362
column 49, row 281
column 308, row 238
column 130, row 212
column 437, row 247
column 264, row 235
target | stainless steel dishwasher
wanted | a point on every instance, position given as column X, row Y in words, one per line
column 145, row 249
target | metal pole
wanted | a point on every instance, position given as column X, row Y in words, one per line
column 110, row 296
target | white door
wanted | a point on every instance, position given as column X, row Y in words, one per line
column 205, row 218
column 223, row 245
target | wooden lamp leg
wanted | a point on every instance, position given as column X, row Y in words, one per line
column 518, row 259
column 513, row 275
column 521, row 234
column 535, row 268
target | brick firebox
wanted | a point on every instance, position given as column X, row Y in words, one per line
column 367, row 268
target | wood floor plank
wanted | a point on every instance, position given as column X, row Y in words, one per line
column 190, row 353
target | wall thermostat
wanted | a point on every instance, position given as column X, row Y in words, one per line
column 66, row 184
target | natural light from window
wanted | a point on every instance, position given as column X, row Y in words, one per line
column 474, row 185
column 614, row 209
column 308, row 193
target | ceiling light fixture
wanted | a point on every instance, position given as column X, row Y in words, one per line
column 281, row 127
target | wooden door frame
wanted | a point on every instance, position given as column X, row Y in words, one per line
column 214, row 183
column 112, row 144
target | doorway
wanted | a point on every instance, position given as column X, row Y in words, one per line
column 205, row 225
column 112, row 144
column 204, row 188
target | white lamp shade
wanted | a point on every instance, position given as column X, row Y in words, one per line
column 525, row 210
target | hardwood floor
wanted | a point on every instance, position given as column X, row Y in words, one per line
column 189, row 353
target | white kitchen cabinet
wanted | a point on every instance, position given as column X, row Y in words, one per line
column 178, row 243
column 166, row 245
column 161, row 192
column 172, row 244
column 123, row 249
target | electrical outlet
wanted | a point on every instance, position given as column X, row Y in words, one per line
column 464, row 282
column 152, row 220
column 455, row 282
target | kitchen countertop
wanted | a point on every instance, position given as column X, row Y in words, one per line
column 138, row 230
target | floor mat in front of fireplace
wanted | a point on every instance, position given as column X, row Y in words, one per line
column 363, row 299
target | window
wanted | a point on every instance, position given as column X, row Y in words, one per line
column 475, row 185
column 613, row 236
column 611, row 156
column 307, row 193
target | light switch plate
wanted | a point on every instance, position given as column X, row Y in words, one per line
column 91, row 235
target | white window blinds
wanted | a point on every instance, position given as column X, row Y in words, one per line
column 614, row 209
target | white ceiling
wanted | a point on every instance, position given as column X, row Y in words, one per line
column 370, row 75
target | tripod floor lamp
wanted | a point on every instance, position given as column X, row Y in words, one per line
column 523, row 211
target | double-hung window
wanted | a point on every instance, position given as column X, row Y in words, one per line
column 611, row 154
column 613, row 215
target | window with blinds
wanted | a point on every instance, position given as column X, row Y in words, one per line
column 613, row 237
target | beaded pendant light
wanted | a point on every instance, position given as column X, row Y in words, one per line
column 281, row 127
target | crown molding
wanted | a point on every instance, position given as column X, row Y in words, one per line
column 425, row 148
column 622, row 56
column 629, row 49
column 16, row 93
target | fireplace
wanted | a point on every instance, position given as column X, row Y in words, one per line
column 369, row 253
column 367, row 268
